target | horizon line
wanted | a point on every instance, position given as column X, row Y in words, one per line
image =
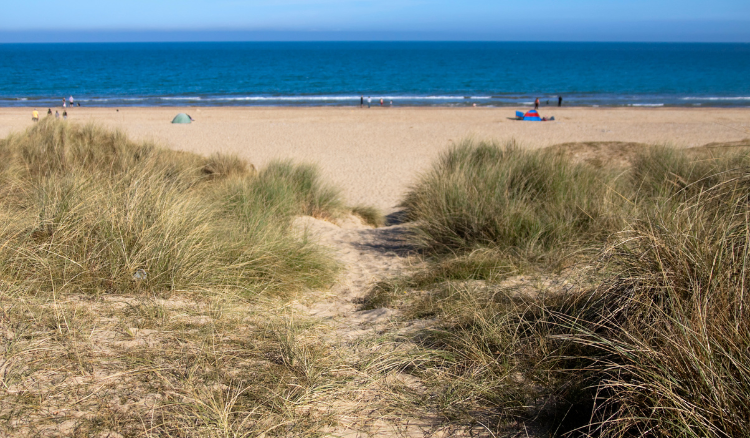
column 380, row 41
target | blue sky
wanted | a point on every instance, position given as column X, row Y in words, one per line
column 549, row 20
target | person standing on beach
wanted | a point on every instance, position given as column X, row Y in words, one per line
column 361, row 101
column 35, row 115
column 559, row 100
column 369, row 101
column 65, row 115
column 536, row 104
column 49, row 112
column 70, row 99
column 57, row 115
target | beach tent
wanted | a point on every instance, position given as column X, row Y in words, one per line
column 181, row 118
column 532, row 116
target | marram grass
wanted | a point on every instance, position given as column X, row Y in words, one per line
column 653, row 342
column 87, row 210
column 511, row 199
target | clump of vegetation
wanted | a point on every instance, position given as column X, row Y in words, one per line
column 303, row 184
column 532, row 203
column 145, row 291
column 88, row 210
column 370, row 215
column 648, row 338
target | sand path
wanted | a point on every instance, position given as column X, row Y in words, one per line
column 368, row 255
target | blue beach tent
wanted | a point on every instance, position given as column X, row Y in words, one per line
column 532, row 116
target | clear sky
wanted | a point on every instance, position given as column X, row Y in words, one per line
column 518, row 20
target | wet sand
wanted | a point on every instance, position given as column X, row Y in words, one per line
column 373, row 155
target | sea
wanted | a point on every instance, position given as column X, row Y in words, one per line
column 447, row 74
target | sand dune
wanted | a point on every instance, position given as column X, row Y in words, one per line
column 375, row 154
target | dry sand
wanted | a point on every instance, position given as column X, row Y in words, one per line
column 375, row 154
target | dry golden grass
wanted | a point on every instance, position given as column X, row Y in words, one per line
column 646, row 338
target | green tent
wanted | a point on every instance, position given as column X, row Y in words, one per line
column 181, row 118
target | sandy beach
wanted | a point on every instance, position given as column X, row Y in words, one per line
column 375, row 154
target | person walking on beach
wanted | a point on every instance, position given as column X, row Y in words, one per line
column 369, row 101
column 35, row 115
column 536, row 104
column 381, row 101
column 361, row 101
column 559, row 100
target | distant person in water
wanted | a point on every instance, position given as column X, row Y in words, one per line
column 369, row 101
column 559, row 100
column 381, row 101
column 536, row 104
column 35, row 115
column 361, row 101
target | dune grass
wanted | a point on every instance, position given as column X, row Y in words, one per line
column 532, row 203
column 147, row 292
column 645, row 333
column 86, row 209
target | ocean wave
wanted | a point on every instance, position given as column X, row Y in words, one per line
column 283, row 98
column 646, row 104
column 336, row 98
column 113, row 99
column 718, row 98
column 180, row 98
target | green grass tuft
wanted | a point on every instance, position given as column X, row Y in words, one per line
column 503, row 197
column 648, row 337
column 371, row 215
column 85, row 210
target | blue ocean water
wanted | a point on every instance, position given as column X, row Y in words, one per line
column 407, row 73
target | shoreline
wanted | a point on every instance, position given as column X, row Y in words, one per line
column 374, row 155
column 398, row 105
